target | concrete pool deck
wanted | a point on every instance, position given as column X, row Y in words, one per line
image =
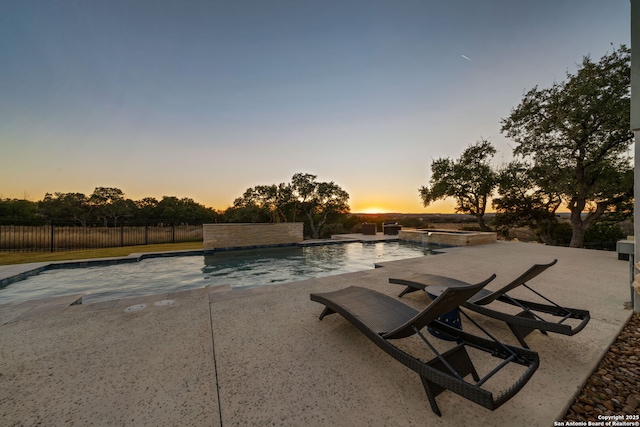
column 217, row 357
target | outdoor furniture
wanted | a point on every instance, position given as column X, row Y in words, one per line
column 382, row 319
column 369, row 228
column 521, row 324
column 391, row 228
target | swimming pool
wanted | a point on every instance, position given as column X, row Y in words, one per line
column 240, row 269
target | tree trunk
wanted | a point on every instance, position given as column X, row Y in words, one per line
column 577, row 237
column 481, row 223
column 547, row 233
column 580, row 226
column 315, row 232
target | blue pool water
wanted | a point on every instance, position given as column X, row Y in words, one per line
column 240, row 269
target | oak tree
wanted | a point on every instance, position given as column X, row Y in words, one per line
column 578, row 132
column 470, row 180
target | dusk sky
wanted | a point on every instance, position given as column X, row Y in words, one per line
column 204, row 99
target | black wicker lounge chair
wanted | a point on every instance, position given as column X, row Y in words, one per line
column 521, row 324
column 382, row 318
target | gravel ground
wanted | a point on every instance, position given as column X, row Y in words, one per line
column 614, row 387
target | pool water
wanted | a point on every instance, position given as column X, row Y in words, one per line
column 240, row 269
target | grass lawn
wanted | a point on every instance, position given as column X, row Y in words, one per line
column 7, row 258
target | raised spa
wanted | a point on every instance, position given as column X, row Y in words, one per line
column 428, row 236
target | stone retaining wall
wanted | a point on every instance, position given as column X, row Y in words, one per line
column 219, row 236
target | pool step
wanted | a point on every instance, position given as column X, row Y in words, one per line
column 12, row 312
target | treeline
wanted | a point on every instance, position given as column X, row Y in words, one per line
column 321, row 206
column 107, row 206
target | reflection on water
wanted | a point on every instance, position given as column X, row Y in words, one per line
column 239, row 269
column 259, row 267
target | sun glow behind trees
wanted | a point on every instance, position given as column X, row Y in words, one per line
column 371, row 210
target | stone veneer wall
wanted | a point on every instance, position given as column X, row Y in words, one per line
column 231, row 235
column 451, row 239
column 448, row 238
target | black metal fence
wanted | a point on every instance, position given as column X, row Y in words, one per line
column 53, row 236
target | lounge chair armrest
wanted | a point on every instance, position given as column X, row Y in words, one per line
column 556, row 327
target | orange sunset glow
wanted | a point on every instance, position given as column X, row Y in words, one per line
column 207, row 99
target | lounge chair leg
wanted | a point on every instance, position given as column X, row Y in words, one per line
column 459, row 360
column 430, row 396
column 474, row 374
column 325, row 312
column 408, row 290
column 521, row 340
column 522, row 331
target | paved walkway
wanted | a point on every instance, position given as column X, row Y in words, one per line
column 217, row 357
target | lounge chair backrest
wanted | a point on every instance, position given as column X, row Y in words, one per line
column 521, row 280
column 448, row 300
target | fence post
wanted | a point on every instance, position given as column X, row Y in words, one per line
column 173, row 233
column 121, row 235
column 146, row 234
column 52, row 237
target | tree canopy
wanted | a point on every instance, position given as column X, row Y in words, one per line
column 264, row 203
column 577, row 132
column 470, row 180
column 108, row 203
column 527, row 197
column 317, row 202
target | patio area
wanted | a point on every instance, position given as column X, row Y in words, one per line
column 217, row 357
